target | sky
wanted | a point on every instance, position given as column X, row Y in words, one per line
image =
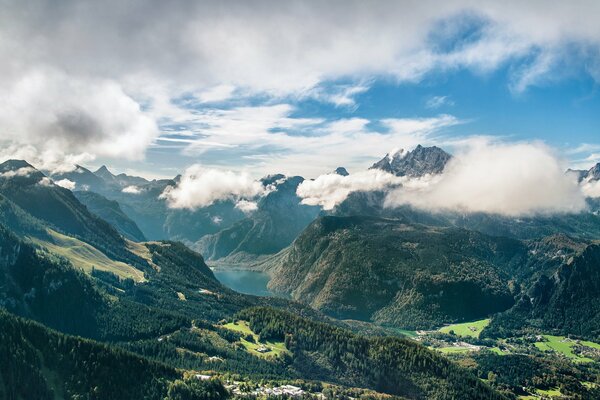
column 298, row 87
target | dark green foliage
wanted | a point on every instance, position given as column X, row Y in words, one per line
column 514, row 371
column 391, row 365
column 567, row 302
column 38, row 363
column 194, row 389
column 111, row 212
column 396, row 273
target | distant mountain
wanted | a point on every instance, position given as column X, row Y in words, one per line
column 110, row 211
column 341, row 171
column 57, row 207
column 583, row 225
column 83, row 178
column 122, row 179
column 104, row 173
column 279, row 218
column 592, row 174
column 397, row 273
column 415, row 163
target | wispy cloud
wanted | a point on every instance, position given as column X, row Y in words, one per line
column 435, row 102
column 95, row 81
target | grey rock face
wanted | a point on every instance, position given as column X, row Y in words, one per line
column 419, row 162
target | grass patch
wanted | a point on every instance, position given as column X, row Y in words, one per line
column 562, row 345
column 498, row 351
column 550, row 392
column 453, row 350
column 472, row 329
column 252, row 347
column 86, row 257
column 406, row 333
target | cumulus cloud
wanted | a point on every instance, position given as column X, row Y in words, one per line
column 131, row 189
column 63, row 118
column 24, row 171
column 79, row 90
column 507, row 179
column 201, row 187
column 246, row 206
column 329, row 190
column 45, row 181
column 66, row 183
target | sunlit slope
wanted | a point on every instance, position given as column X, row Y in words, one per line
column 87, row 257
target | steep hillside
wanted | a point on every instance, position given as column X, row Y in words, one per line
column 59, row 209
column 274, row 225
column 39, row 363
column 396, row 273
column 110, row 211
column 566, row 302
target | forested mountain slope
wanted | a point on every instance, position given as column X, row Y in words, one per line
column 397, row 273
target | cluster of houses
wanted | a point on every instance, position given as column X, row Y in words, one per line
column 285, row 390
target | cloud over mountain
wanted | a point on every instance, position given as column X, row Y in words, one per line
column 515, row 179
column 508, row 179
column 201, row 187
column 329, row 190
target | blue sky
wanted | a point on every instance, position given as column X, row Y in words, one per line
column 293, row 87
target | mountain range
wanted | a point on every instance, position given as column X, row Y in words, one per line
column 100, row 264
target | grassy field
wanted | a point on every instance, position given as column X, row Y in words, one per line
column 472, row 329
column 451, row 350
column 276, row 348
column 561, row 345
column 86, row 257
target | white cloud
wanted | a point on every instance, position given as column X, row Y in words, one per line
column 45, row 181
column 201, row 187
column 246, row 206
column 330, row 190
column 66, row 183
column 78, row 89
column 438, row 101
column 131, row 189
column 508, row 179
column 24, row 171
column 270, row 139
column 61, row 118
column 217, row 93
column 591, row 188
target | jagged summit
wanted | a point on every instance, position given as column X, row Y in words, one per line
column 13, row 165
column 104, row 173
column 419, row 162
column 20, row 172
column 341, row 171
column 594, row 173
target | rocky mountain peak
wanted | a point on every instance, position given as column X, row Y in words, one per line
column 418, row 162
column 341, row 171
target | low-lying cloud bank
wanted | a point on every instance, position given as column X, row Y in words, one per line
column 330, row 190
column 508, row 179
column 201, row 187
